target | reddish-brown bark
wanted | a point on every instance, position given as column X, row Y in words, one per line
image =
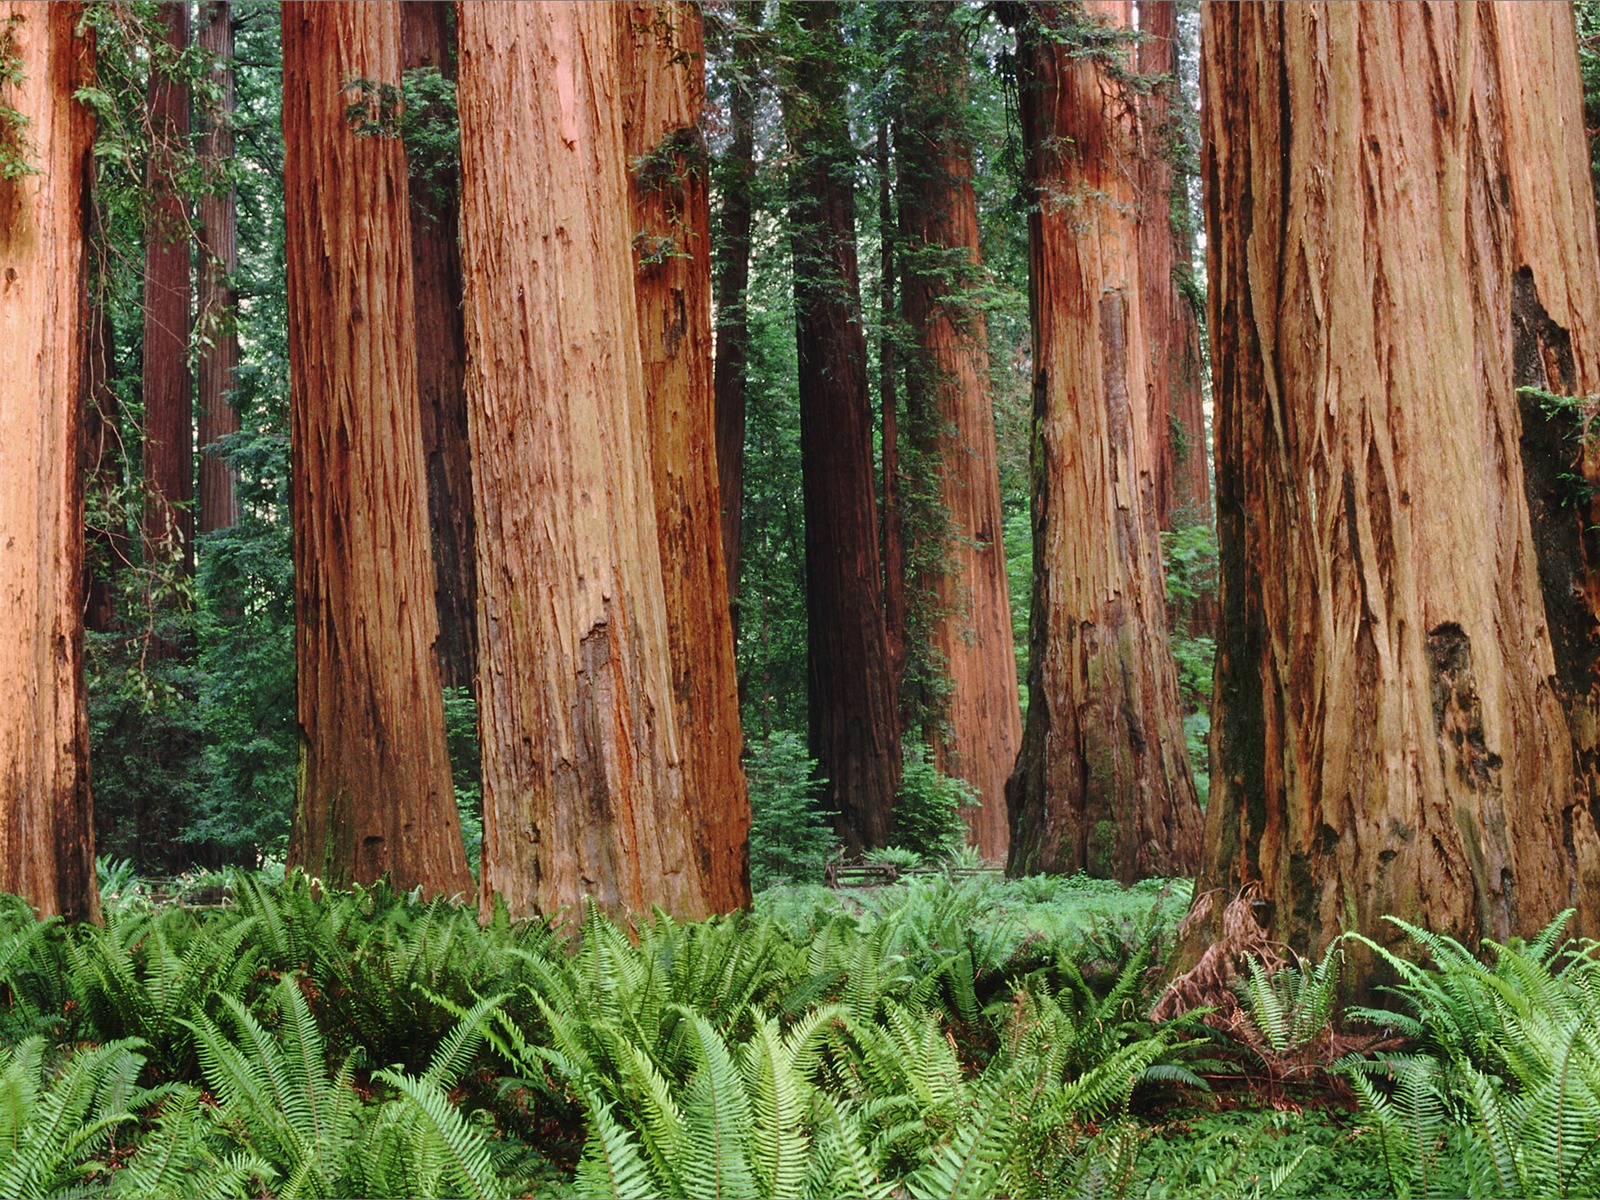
column 168, row 395
column 46, row 819
column 583, row 787
column 441, row 366
column 1381, row 182
column 949, row 408
column 1102, row 781
column 663, row 53
column 854, row 724
column 375, row 793
column 216, row 300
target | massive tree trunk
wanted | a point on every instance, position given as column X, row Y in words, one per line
column 46, row 822
column 375, row 794
column 168, row 398
column 737, row 179
column 663, row 53
column 1387, row 739
column 219, row 259
column 1176, row 417
column 1102, row 782
column 896, row 595
column 948, row 407
column 855, row 735
column 583, row 789
column 441, row 366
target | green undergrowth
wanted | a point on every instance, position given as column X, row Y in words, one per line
column 939, row 1037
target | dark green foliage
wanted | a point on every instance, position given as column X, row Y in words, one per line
column 791, row 837
column 927, row 809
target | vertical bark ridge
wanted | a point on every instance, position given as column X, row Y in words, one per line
column 216, row 301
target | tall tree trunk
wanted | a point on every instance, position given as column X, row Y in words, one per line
column 949, row 408
column 663, row 50
column 583, row 789
column 168, row 397
column 375, row 793
column 729, row 382
column 855, row 735
column 896, row 601
column 216, row 300
column 46, row 819
column 441, row 366
column 1102, row 782
column 1387, row 739
column 108, row 548
column 1177, row 419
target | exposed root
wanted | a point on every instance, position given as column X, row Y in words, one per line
column 1208, row 984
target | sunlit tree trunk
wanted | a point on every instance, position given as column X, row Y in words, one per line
column 855, row 734
column 737, row 179
column 441, row 365
column 46, row 821
column 1388, row 740
column 663, row 55
column 948, row 404
column 1176, row 420
column 583, row 787
column 218, row 261
column 168, row 395
column 375, row 794
column 1102, row 782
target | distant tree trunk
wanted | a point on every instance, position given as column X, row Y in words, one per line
column 737, row 177
column 1102, row 782
column 375, row 794
column 1387, row 739
column 108, row 550
column 896, row 601
column 583, row 789
column 663, row 53
column 948, row 405
column 855, row 734
column 46, row 818
column 441, row 366
column 168, row 398
column 218, row 261
column 1177, row 419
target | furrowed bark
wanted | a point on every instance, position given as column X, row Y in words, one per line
column 1102, row 781
column 46, row 818
column 441, row 367
column 583, row 767
column 217, row 301
column 663, row 51
column 948, row 405
column 854, row 726
column 168, row 396
column 375, row 793
column 1389, row 731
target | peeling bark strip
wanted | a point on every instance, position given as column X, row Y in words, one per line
column 583, row 776
column 441, row 367
column 1102, row 782
column 855, row 732
column 168, row 400
column 46, row 822
column 948, row 404
column 663, row 50
column 1387, row 736
column 217, row 302
column 375, row 792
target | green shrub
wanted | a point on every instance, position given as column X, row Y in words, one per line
column 791, row 836
column 927, row 809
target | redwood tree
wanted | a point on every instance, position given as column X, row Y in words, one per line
column 949, row 410
column 168, row 396
column 1388, row 739
column 854, row 726
column 375, row 792
column 583, row 776
column 218, row 261
column 1102, row 781
column 441, row 362
column 46, row 822
column 663, row 52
